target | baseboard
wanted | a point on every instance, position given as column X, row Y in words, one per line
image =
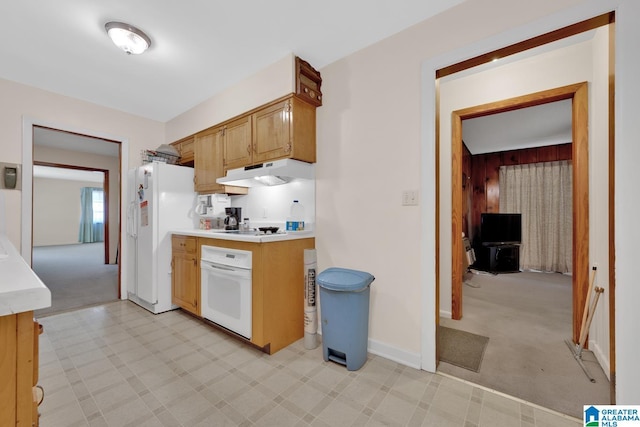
column 602, row 359
column 395, row 354
column 445, row 314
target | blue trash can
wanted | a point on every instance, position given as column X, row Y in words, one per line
column 344, row 309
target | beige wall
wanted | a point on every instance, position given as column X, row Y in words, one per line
column 57, row 210
column 19, row 102
column 77, row 158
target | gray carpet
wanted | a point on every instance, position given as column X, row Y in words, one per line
column 527, row 317
column 76, row 276
column 462, row 349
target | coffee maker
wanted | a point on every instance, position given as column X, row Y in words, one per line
column 232, row 221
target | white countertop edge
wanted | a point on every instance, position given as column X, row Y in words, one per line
column 20, row 288
column 244, row 237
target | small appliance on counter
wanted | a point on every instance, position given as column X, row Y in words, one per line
column 232, row 221
column 212, row 205
column 211, row 209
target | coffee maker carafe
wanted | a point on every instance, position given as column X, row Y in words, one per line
column 232, row 221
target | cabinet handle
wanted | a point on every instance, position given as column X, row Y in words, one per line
column 249, row 149
column 287, row 148
column 287, row 107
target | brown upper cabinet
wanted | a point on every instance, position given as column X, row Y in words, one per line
column 236, row 142
column 284, row 128
column 185, row 147
column 208, row 157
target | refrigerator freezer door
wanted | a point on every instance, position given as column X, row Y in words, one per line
column 146, row 218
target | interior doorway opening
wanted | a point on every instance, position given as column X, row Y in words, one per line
column 581, row 277
column 76, row 149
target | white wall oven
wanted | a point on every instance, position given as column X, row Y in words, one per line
column 226, row 288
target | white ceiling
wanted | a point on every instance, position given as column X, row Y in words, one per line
column 199, row 47
column 547, row 124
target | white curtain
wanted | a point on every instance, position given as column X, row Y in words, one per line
column 542, row 193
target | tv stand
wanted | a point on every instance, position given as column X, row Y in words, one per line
column 498, row 258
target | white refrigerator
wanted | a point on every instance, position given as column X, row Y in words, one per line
column 161, row 199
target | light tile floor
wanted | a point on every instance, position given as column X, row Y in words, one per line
column 118, row 365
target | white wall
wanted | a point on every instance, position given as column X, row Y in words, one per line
column 57, row 211
column 271, row 205
column 19, row 102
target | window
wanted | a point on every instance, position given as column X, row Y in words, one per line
column 98, row 206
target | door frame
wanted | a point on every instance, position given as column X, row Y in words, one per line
column 578, row 93
column 26, row 243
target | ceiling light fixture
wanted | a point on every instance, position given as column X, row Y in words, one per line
column 127, row 37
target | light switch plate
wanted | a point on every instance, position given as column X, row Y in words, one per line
column 410, row 198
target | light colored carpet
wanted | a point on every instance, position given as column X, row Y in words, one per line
column 76, row 276
column 461, row 348
column 527, row 317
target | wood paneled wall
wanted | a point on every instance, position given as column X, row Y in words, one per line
column 484, row 170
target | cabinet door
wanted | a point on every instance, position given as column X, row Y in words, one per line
column 237, row 143
column 185, row 281
column 186, row 151
column 272, row 132
column 208, row 160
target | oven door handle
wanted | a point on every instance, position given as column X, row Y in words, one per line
column 228, row 270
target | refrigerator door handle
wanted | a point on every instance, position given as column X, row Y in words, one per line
column 132, row 226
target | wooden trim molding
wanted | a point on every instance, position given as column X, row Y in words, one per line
column 534, row 42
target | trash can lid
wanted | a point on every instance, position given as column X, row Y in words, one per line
column 343, row 279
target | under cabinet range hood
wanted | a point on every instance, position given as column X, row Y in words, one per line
column 271, row 173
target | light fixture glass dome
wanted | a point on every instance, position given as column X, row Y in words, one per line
column 127, row 37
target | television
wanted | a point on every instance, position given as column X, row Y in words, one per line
column 500, row 228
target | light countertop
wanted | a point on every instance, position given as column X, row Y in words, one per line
column 20, row 288
column 263, row 238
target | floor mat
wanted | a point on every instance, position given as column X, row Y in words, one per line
column 461, row 348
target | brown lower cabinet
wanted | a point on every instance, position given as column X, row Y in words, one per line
column 185, row 277
column 18, row 370
column 277, row 288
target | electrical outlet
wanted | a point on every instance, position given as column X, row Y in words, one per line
column 409, row 198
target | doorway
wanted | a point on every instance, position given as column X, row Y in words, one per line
column 78, row 149
column 578, row 93
column 456, row 176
